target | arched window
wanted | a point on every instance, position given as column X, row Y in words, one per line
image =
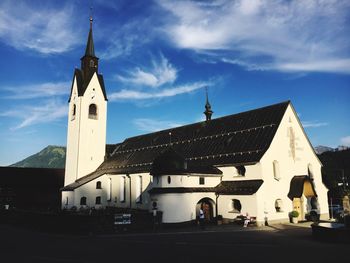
column 279, row 205
column 98, row 185
column 169, row 180
column 93, row 111
column 83, row 200
column 74, row 111
column 98, row 200
column 276, row 170
column 236, row 206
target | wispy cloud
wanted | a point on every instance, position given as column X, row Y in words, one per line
column 314, row 124
column 161, row 72
column 124, row 39
column 40, row 28
column 52, row 110
column 34, row 91
column 157, row 94
column 345, row 141
column 152, row 125
column 292, row 36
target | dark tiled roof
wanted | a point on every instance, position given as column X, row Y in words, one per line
column 242, row 187
column 169, row 162
column 235, row 139
column 241, row 138
column 85, row 179
column 296, row 188
column 79, row 74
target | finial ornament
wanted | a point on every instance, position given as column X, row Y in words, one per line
column 208, row 112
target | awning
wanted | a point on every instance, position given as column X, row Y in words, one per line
column 301, row 185
column 242, row 187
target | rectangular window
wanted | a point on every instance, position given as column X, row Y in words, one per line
column 201, row 180
column 98, row 200
column 138, row 189
column 122, row 189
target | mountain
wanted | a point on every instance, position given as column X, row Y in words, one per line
column 49, row 157
column 321, row 149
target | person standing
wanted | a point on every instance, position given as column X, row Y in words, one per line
column 201, row 218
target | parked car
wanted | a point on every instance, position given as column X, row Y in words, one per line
column 335, row 211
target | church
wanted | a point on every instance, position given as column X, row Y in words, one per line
column 259, row 162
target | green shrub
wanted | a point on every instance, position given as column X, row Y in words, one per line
column 294, row 213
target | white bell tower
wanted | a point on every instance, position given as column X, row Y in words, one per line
column 87, row 118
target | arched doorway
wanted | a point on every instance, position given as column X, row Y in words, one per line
column 207, row 205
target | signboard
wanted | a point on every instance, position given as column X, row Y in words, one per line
column 122, row 219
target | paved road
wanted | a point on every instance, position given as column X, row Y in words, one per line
column 281, row 243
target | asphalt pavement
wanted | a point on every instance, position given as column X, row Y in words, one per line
column 276, row 243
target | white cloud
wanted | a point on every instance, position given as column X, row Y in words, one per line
column 151, row 125
column 314, row 124
column 345, row 141
column 123, row 39
column 289, row 36
column 41, row 90
column 160, row 73
column 158, row 94
column 45, row 30
column 52, row 111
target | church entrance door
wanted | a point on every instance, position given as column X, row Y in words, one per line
column 298, row 205
column 207, row 205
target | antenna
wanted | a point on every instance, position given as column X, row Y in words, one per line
column 91, row 15
column 206, row 92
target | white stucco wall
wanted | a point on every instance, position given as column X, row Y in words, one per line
column 86, row 138
column 252, row 172
column 185, row 181
column 110, row 192
column 290, row 165
column 248, row 203
column 179, row 208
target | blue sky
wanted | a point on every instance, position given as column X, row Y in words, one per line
column 157, row 57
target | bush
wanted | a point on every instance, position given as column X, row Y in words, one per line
column 294, row 213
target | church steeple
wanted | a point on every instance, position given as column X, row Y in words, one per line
column 90, row 49
column 89, row 62
column 208, row 112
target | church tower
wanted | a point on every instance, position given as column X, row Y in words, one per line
column 87, row 117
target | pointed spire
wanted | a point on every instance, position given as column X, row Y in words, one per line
column 208, row 112
column 90, row 49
